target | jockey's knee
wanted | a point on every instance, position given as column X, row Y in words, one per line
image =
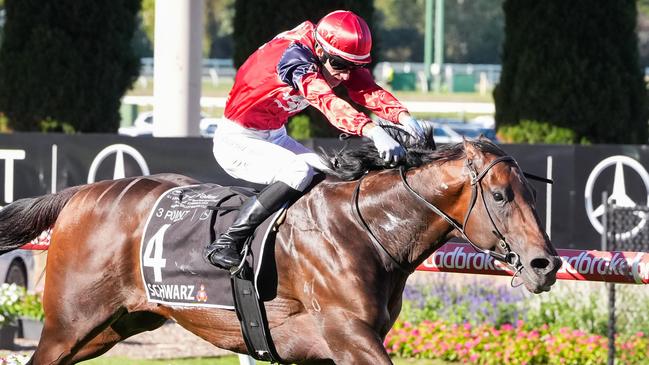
column 298, row 175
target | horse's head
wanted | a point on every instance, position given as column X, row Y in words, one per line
column 501, row 215
column 485, row 196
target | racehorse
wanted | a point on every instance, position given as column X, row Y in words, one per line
column 343, row 253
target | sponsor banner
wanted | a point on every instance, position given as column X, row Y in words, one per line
column 42, row 242
column 586, row 265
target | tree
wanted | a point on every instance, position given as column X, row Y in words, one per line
column 217, row 38
column 67, row 62
column 643, row 31
column 258, row 21
column 2, row 18
column 218, row 28
column 573, row 65
column 473, row 30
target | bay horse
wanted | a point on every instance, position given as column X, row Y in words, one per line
column 343, row 253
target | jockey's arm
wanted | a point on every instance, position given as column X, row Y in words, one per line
column 339, row 112
column 298, row 67
column 363, row 90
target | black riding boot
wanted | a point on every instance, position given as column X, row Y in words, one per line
column 225, row 251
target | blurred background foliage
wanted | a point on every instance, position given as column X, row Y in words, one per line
column 65, row 65
column 574, row 77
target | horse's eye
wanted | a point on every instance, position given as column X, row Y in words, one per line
column 498, row 197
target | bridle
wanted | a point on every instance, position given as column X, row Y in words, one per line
column 509, row 257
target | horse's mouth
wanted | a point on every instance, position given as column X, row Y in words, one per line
column 537, row 284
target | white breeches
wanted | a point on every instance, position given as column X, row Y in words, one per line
column 264, row 157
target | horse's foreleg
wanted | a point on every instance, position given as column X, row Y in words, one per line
column 61, row 339
column 352, row 341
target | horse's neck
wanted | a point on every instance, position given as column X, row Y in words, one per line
column 410, row 230
column 440, row 185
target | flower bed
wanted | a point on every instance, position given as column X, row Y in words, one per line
column 16, row 302
column 509, row 344
column 485, row 321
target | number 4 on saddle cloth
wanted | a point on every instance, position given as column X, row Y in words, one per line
column 182, row 222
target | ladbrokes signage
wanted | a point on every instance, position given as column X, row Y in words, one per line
column 36, row 164
column 620, row 267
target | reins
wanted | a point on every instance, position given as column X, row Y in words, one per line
column 375, row 241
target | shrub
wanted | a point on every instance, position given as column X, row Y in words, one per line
column 581, row 74
column 68, row 61
column 16, row 302
column 529, row 131
column 576, row 305
column 474, row 303
column 10, row 295
column 299, row 127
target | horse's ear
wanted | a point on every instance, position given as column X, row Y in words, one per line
column 469, row 149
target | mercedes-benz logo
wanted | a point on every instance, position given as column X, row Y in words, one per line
column 619, row 194
column 119, row 150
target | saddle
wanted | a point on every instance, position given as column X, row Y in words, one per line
column 182, row 222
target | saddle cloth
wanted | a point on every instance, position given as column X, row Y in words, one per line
column 181, row 224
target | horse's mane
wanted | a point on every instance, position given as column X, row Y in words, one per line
column 350, row 164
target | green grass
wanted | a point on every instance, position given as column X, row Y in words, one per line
column 224, row 86
column 225, row 360
column 208, row 89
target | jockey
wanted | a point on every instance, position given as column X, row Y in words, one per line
column 296, row 69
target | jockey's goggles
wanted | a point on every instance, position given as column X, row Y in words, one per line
column 340, row 64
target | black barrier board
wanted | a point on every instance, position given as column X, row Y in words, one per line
column 33, row 164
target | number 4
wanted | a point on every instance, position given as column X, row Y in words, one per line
column 156, row 261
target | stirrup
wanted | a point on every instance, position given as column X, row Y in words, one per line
column 225, row 260
column 236, row 270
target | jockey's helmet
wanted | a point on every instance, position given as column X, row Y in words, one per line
column 345, row 35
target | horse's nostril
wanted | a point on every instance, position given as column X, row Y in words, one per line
column 540, row 263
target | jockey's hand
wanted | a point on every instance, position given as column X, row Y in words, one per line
column 412, row 126
column 389, row 149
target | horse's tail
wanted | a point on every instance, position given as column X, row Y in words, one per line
column 24, row 219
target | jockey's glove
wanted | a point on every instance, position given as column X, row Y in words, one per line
column 412, row 126
column 389, row 149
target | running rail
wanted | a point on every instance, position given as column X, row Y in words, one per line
column 584, row 265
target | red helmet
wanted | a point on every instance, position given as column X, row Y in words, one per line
column 346, row 35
